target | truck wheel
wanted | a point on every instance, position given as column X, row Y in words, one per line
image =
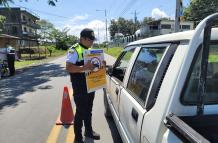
column 107, row 111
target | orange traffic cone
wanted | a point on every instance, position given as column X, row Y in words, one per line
column 67, row 116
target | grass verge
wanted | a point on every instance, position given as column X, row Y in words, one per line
column 26, row 63
column 113, row 51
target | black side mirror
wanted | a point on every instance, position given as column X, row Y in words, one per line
column 109, row 69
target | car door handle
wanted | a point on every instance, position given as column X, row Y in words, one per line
column 117, row 91
column 135, row 114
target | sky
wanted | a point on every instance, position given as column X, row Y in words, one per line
column 79, row 14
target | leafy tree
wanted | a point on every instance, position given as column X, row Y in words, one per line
column 199, row 9
column 51, row 48
column 62, row 39
column 113, row 28
column 52, row 2
column 45, row 30
column 126, row 27
column 147, row 20
column 2, row 21
column 6, row 2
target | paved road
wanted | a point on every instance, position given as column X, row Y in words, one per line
column 30, row 104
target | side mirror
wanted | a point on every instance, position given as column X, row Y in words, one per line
column 109, row 69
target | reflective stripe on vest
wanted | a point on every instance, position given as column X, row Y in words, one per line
column 79, row 49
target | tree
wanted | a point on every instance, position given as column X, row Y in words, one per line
column 126, row 27
column 113, row 28
column 45, row 30
column 2, row 22
column 199, row 9
column 147, row 20
column 52, row 2
column 6, row 2
column 62, row 39
column 51, row 48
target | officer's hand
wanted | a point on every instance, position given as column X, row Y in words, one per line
column 89, row 66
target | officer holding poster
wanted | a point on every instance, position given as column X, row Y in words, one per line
column 83, row 100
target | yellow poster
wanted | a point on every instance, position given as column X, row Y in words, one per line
column 95, row 79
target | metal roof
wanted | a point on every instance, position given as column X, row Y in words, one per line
column 8, row 36
column 180, row 36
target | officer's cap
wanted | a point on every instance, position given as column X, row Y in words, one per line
column 88, row 33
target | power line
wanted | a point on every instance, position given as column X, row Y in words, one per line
column 112, row 5
column 47, row 13
column 128, row 7
column 118, row 6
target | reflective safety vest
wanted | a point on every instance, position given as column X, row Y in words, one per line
column 79, row 49
column 78, row 79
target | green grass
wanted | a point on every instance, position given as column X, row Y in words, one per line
column 25, row 63
column 113, row 51
column 213, row 58
column 20, row 64
column 58, row 53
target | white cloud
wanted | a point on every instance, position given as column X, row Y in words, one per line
column 157, row 13
column 79, row 18
column 76, row 24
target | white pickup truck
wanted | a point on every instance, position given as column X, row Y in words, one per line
column 165, row 88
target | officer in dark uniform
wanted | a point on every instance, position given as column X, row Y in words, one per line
column 83, row 100
column 11, row 59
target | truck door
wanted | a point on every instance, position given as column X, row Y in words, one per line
column 200, row 82
column 134, row 94
column 116, row 81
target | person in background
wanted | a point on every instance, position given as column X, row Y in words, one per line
column 11, row 59
column 83, row 100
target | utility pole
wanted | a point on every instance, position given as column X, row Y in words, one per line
column 177, row 15
column 135, row 16
column 98, row 39
column 135, row 19
column 105, row 14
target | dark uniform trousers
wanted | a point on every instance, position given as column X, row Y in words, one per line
column 11, row 60
column 84, row 104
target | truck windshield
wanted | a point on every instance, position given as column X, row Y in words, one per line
column 191, row 91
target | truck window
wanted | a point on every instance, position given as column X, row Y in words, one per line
column 143, row 71
column 190, row 93
column 122, row 64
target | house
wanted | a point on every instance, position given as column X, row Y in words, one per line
column 155, row 28
column 21, row 23
column 161, row 27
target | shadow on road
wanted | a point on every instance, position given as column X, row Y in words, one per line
column 113, row 129
column 12, row 87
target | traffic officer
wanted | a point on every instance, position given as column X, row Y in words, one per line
column 83, row 100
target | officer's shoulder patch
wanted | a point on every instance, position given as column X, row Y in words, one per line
column 74, row 46
column 71, row 51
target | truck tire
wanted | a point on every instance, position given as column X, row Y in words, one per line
column 107, row 111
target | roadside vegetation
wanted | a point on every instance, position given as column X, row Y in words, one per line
column 53, row 43
column 113, row 51
column 45, row 57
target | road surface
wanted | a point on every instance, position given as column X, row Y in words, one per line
column 30, row 104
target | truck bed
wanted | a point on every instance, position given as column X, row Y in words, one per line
column 206, row 125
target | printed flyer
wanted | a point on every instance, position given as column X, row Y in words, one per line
column 95, row 79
